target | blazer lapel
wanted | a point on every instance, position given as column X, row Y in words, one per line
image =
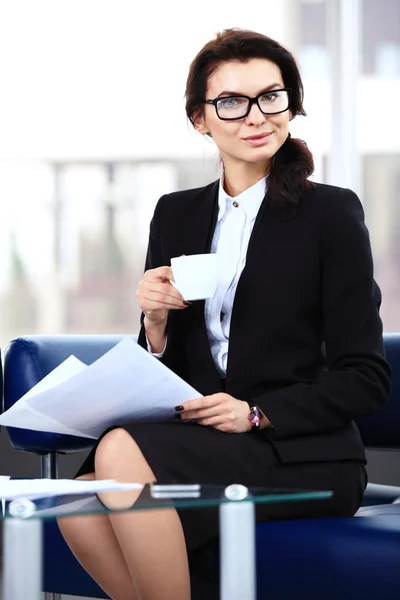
column 198, row 217
column 271, row 234
column 194, row 236
column 254, row 256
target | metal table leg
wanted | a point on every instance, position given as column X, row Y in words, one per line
column 22, row 547
column 237, row 549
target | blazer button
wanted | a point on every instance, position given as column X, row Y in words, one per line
column 235, row 204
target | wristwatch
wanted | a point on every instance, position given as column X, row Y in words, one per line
column 255, row 416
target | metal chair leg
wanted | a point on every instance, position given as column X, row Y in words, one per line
column 50, row 471
column 50, row 465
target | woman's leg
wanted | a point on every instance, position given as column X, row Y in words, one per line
column 92, row 540
column 152, row 542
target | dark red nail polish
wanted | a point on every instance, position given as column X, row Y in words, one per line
column 179, row 408
column 178, row 417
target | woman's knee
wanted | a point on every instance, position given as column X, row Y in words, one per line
column 118, row 455
column 86, row 477
column 113, row 446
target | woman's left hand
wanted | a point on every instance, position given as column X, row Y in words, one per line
column 222, row 411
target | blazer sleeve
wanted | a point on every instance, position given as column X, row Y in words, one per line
column 357, row 377
column 154, row 257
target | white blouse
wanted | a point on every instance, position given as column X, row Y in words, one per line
column 236, row 218
column 232, row 233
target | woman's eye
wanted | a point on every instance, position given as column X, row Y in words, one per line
column 270, row 97
column 231, row 102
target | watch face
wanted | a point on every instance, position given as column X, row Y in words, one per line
column 255, row 416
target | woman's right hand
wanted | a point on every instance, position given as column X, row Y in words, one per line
column 157, row 296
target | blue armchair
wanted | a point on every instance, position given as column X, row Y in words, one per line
column 321, row 558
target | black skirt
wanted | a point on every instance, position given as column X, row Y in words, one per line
column 191, row 453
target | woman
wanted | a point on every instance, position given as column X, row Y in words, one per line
column 287, row 353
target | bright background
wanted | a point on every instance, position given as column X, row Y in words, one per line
column 93, row 131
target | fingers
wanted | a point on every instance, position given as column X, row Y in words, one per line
column 155, row 295
column 153, row 300
column 221, row 411
column 204, row 402
column 209, row 406
column 159, row 274
column 165, row 289
column 221, row 423
column 149, row 305
column 203, row 413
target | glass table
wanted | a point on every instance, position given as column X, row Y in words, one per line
column 22, row 528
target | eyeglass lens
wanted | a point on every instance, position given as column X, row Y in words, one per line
column 235, row 107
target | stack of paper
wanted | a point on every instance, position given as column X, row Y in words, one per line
column 126, row 385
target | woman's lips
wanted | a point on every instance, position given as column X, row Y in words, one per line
column 258, row 140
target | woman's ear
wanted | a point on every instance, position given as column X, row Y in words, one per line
column 199, row 124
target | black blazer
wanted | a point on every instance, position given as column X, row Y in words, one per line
column 305, row 341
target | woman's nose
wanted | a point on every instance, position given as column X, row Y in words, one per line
column 255, row 116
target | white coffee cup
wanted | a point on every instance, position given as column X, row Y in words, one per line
column 195, row 276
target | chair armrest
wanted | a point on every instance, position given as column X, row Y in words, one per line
column 380, row 494
column 384, row 510
column 30, row 358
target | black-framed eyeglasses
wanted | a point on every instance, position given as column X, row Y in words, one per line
column 230, row 108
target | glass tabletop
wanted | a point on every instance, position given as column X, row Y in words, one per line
column 154, row 496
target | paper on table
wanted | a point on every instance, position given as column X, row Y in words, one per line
column 67, row 504
column 42, row 488
column 127, row 384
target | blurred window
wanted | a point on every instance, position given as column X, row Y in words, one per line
column 74, row 226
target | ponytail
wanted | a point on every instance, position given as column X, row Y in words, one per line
column 288, row 176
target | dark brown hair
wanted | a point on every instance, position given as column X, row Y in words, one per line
column 291, row 166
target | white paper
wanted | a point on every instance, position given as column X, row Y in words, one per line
column 66, row 505
column 125, row 385
column 43, row 488
column 22, row 415
column 67, row 369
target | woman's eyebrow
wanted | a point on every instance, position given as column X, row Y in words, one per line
column 266, row 89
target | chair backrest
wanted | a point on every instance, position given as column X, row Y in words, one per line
column 30, row 358
column 382, row 429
